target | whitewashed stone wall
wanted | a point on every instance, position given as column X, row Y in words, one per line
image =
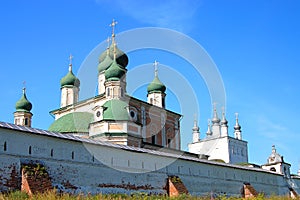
column 92, row 168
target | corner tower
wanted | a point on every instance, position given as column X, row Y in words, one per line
column 69, row 87
column 22, row 115
column 156, row 90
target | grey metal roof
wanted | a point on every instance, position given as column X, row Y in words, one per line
column 176, row 154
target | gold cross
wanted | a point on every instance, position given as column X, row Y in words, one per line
column 112, row 25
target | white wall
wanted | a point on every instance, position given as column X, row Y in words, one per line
column 118, row 170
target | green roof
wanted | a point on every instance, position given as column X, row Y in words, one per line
column 121, row 57
column 105, row 64
column 156, row 86
column 115, row 110
column 69, row 79
column 76, row 122
column 23, row 104
column 114, row 72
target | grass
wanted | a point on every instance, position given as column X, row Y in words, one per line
column 52, row 195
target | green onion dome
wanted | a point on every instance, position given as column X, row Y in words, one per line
column 156, row 86
column 75, row 122
column 114, row 72
column 70, row 79
column 115, row 110
column 121, row 57
column 23, row 104
column 105, row 64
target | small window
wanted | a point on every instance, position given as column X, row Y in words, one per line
column 108, row 92
column 153, row 138
column 72, row 155
column 51, row 153
column 29, row 150
column 169, row 142
column 93, row 158
column 26, row 122
column 98, row 113
column 5, row 146
column 133, row 115
column 151, row 100
column 273, row 169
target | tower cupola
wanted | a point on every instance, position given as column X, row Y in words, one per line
column 22, row 115
column 23, row 104
column 69, row 87
column 156, row 85
column 156, row 90
column 70, row 79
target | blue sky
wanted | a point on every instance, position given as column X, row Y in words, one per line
column 254, row 44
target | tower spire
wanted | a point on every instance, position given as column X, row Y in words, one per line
column 115, row 52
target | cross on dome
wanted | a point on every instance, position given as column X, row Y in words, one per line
column 155, row 64
column 24, row 86
column 70, row 63
column 112, row 25
column 108, row 40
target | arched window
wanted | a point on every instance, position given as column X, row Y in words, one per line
column 72, row 155
column 29, row 150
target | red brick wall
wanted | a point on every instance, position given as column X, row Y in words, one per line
column 35, row 179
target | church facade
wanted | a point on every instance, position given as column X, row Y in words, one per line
column 113, row 115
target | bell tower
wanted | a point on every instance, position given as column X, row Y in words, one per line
column 156, row 90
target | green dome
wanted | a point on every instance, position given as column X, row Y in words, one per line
column 115, row 110
column 23, row 104
column 156, row 86
column 121, row 57
column 70, row 79
column 76, row 122
column 104, row 65
column 114, row 72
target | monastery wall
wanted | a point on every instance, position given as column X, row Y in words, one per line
column 75, row 166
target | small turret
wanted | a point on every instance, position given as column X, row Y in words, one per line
column 216, row 132
column 22, row 115
column 224, row 124
column 208, row 132
column 156, row 90
column 196, row 132
column 237, row 128
column 69, row 87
